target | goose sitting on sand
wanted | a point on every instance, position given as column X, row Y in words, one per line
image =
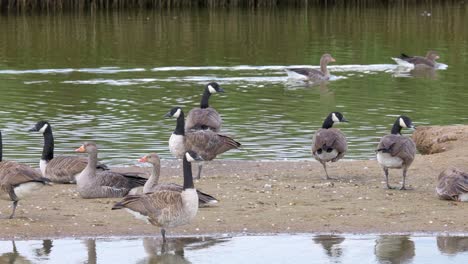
column 166, row 208
column 312, row 75
column 328, row 143
column 59, row 169
column 453, row 185
column 18, row 180
column 152, row 185
column 425, row 62
column 396, row 151
column 205, row 117
column 105, row 184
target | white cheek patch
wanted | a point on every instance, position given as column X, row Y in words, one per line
column 211, row 89
column 334, row 118
column 189, row 158
column 177, row 113
column 43, row 128
column 402, row 123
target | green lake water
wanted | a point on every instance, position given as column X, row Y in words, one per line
column 111, row 76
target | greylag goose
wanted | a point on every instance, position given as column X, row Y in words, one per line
column 152, row 185
column 206, row 143
column 452, row 184
column 166, row 208
column 105, row 184
column 205, row 117
column 18, row 180
column 59, row 169
column 396, row 151
column 428, row 61
column 329, row 144
column 313, row 74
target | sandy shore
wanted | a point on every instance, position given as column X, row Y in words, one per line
column 265, row 197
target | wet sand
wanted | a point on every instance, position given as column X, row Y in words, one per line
column 265, row 197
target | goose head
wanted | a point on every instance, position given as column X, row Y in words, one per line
column 405, row 122
column 88, row 147
column 214, row 87
column 151, row 158
column 192, row 156
column 175, row 112
column 332, row 118
column 41, row 126
column 326, row 58
column 432, row 55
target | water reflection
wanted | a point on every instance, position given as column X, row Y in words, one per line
column 331, row 245
column 13, row 256
column 452, row 245
column 394, row 249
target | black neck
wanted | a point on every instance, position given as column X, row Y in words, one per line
column 328, row 123
column 48, row 150
column 205, row 98
column 1, row 147
column 180, row 130
column 396, row 129
column 188, row 178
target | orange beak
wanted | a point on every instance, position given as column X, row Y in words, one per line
column 333, row 60
column 144, row 159
column 80, row 149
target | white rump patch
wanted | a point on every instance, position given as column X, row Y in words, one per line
column 463, row 197
column 138, row 215
column 177, row 113
column 27, row 188
column 211, row 89
column 387, row 160
column 402, row 123
column 334, row 118
column 327, row 156
column 43, row 128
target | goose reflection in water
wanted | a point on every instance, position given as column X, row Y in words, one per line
column 14, row 256
column 394, row 249
column 331, row 245
column 452, row 245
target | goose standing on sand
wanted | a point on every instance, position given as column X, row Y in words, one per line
column 205, row 117
column 105, row 184
column 312, row 74
column 429, row 61
column 453, row 185
column 153, row 185
column 60, row 169
column 329, row 144
column 206, row 143
column 18, row 180
column 396, row 151
column 166, row 208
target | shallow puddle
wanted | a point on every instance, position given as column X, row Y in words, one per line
column 242, row 249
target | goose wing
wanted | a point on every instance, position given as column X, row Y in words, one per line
column 417, row 60
column 399, row 146
column 331, row 138
column 209, row 144
column 203, row 198
column 120, row 180
column 451, row 183
column 207, row 118
column 14, row 173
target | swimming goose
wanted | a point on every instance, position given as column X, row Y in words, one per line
column 396, row 151
column 59, row 169
column 205, row 117
column 453, row 185
column 18, row 180
column 206, row 143
column 165, row 208
column 152, row 185
column 105, row 184
column 313, row 74
column 428, row 61
column 329, row 144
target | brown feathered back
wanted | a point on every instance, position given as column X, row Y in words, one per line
column 398, row 146
column 206, row 118
column 14, row 173
column 209, row 144
column 451, row 183
column 331, row 137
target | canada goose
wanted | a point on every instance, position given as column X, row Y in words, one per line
column 417, row 61
column 396, row 151
column 205, row 117
column 61, row 169
column 206, row 143
column 453, row 185
column 152, row 185
column 313, row 74
column 166, row 208
column 329, row 144
column 91, row 184
column 18, row 180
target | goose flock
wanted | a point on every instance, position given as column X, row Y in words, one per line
column 197, row 139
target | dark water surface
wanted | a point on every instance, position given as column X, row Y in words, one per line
column 243, row 249
column 111, row 77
